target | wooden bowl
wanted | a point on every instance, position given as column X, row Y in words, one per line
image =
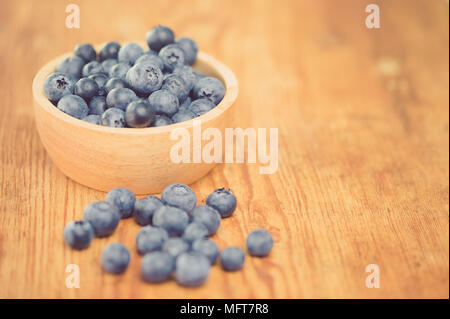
column 137, row 158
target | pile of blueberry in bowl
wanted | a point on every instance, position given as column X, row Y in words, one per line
column 125, row 86
column 175, row 236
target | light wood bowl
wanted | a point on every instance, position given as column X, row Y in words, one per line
column 137, row 158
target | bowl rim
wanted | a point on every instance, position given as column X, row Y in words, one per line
column 231, row 93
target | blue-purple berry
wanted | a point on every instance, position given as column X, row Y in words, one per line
column 115, row 258
column 103, row 217
column 182, row 116
column 150, row 238
column 172, row 55
column 139, row 113
column 172, row 219
column 259, row 243
column 208, row 248
column 144, row 78
column 78, row 234
column 93, row 119
column 175, row 246
column 145, row 208
column 123, row 199
column 201, row 106
column 232, row 258
column 86, row 51
column 120, row 98
column 157, row 266
column 113, row 117
column 159, row 36
column 57, row 85
column 108, row 51
column 211, row 88
column 74, row 106
column 164, row 102
column 71, row 66
column 86, row 88
column 190, row 49
column 97, row 105
column 208, row 216
column 192, row 269
column 180, row 196
column 222, row 200
column 129, row 53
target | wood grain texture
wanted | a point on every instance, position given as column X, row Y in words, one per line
column 363, row 148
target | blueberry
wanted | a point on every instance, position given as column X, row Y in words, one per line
column 108, row 64
column 139, row 114
column 78, row 235
column 108, row 51
column 100, row 79
column 123, row 199
column 192, row 269
column 187, row 74
column 114, row 83
column 189, row 48
column 151, row 58
column 159, row 36
column 223, row 201
column 145, row 208
column 74, row 106
column 86, row 88
column 71, row 66
column 150, row 238
column 172, row 219
column 115, row 258
column 103, row 217
column 86, row 52
column 144, row 78
column 161, row 120
column 176, row 85
column 175, row 246
column 94, row 119
column 129, row 53
column 97, row 105
column 113, row 117
column 164, row 102
column 208, row 248
column 180, row 196
column 259, row 243
column 185, row 104
column 120, row 98
column 119, row 70
column 183, row 115
column 207, row 216
column 232, row 258
column 195, row 231
column 57, row 85
column 92, row 67
column 157, row 266
column 172, row 56
column 201, row 106
column 210, row 88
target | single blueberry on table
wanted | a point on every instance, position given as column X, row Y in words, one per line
column 71, row 66
column 119, row 70
column 208, row 248
column 150, row 238
column 164, row 102
column 115, row 258
column 172, row 219
column 97, row 105
column 158, row 37
column 182, row 116
column 145, row 208
column 86, row 88
column 73, row 105
column 172, row 55
column 180, row 196
column 201, row 106
column 195, row 231
column 192, row 269
column 161, row 120
column 190, row 49
column 103, row 217
column 120, row 98
column 123, row 199
column 92, row 67
column 176, row 85
column 94, row 119
column 85, row 51
column 259, row 243
column 108, row 64
column 100, row 79
column 78, row 235
column 144, row 78
column 129, row 53
column 207, row 216
column 108, row 51
column 157, row 266
column 232, row 258
column 114, row 83
column 139, row 113
column 175, row 246
column 113, row 117
column 151, row 58
column 209, row 87
column 57, row 85
column 223, row 201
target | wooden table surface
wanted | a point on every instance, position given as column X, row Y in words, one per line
column 363, row 173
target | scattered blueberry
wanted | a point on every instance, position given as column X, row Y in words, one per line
column 159, row 36
column 103, row 217
column 207, row 216
column 232, row 258
column 176, row 85
column 164, row 102
column 108, row 51
column 73, row 105
column 172, row 56
column 151, row 58
column 157, row 266
column 201, row 106
column 145, row 208
column 119, row 70
column 175, row 246
column 150, row 238
column 113, row 117
column 172, row 219
column 92, row 67
column 100, row 79
column 97, row 105
column 120, row 98
column 86, row 88
column 192, row 269
column 115, row 258
column 129, row 53
column 78, row 235
column 223, row 201
column 161, row 120
column 208, row 248
column 209, row 87
column 259, row 243
column 71, row 66
column 180, row 196
column 86, row 52
column 114, row 83
column 195, row 231
column 183, row 115
column 94, row 119
column 139, row 113
column 189, row 48
column 123, row 199
column 57, row 85
column 144, row 78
